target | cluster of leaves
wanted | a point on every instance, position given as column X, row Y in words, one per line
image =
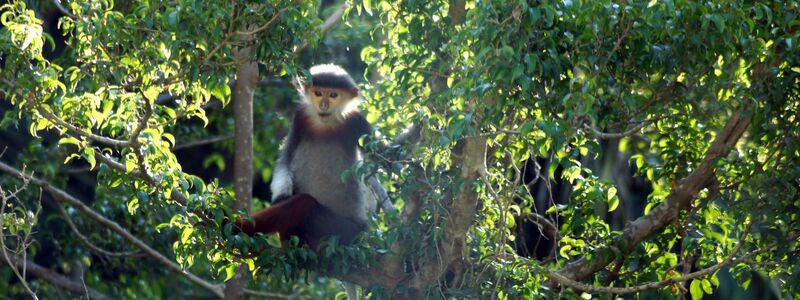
column 119, row 96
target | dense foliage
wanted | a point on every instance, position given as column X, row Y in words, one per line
column 529, row 112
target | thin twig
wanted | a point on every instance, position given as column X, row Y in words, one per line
column 660, row 284
column 12, row 265
column 271, row 295
column 63, row 196
column 542, row 222
column 603, row 135
column 64, row 10
column 57, row 280
column 207, row 141
column 50, row 116
column 334, row 18
column 86, row 241
column 262, row 27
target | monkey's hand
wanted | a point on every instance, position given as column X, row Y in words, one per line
column 281, row 185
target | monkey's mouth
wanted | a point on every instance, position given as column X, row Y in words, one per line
column 325, row 114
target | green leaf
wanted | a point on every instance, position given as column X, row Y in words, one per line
column 368, row 6
column 151, row 93
column 613, row 201
column 707, row 286
column 696, row 290
column 88, row 153
column 564, row 251
column 133, row 205
column 223, row 93
column 230, row 270
column 719, row 22
column 69, row 141
column 130, row 164
column 170, row 138
column 714, row 280
column 186, row 235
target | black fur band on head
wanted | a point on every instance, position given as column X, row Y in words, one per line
column 332, row 76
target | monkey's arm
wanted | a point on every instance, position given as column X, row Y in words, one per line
column 281, row 185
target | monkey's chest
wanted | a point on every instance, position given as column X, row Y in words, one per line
column 317, row 169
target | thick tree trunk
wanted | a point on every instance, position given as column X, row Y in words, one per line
column 246, row 80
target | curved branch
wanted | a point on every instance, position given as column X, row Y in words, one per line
column 545, row 226
column 332, row 20
column 679, row 198
column 63, row 196
column 262, row 27
column 50, row 116
column 64, row 10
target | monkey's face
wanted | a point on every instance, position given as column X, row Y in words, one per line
column 329, row 103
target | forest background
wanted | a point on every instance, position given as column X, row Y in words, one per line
column 560, row 148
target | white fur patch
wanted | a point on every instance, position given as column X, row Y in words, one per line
column 350, row 107
column 281, row 184
column 335, row 120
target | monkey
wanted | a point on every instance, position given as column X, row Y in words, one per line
column 310, row 198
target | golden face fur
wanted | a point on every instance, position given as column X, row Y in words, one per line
column 328, row 107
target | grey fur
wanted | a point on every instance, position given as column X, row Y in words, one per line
column 317, row 166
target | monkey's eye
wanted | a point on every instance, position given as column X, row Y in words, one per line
column 334, row 94
column 317, row 93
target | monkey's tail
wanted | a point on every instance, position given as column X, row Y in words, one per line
column 285, row 218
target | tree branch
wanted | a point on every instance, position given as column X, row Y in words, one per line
column 603, row 135
column 86, row 241
column 262, row 27
column 50, row 116
column 561, row 279
column 202, row 142
column 469, row 156
column 63, row 10
column 545, row 226
column 57, row 280
column 680, row 198
column 332, row 20
column 270, row 295
column 62, row 196
column 21, row 246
